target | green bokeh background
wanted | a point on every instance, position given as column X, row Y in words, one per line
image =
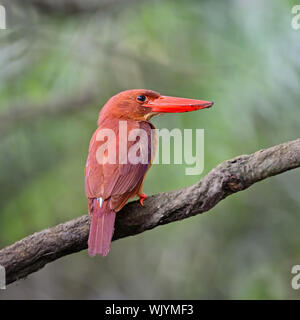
column 58, row 67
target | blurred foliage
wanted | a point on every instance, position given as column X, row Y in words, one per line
column 241, row 54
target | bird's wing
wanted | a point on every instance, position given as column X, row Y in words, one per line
column 117, row 182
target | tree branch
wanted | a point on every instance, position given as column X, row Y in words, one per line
column 35, row 251
column 25, row 114
column 72, row 7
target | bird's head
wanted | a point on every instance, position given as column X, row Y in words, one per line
column 141, row 104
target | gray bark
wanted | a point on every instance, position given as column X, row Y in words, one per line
column 35, row 251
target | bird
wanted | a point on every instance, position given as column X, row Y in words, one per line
column 110, row 184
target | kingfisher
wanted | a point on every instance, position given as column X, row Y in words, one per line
column 110, row 184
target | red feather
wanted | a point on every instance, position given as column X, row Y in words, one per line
column 114, row 183
column 102, row 228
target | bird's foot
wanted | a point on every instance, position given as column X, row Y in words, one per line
column 142, row 197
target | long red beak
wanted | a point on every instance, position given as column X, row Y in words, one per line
column 174, row 104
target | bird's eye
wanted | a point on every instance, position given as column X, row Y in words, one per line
column 141, row 98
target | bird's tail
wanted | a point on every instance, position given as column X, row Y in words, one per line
column 102, row 227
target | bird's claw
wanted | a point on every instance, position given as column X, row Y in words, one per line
column 142, row 197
